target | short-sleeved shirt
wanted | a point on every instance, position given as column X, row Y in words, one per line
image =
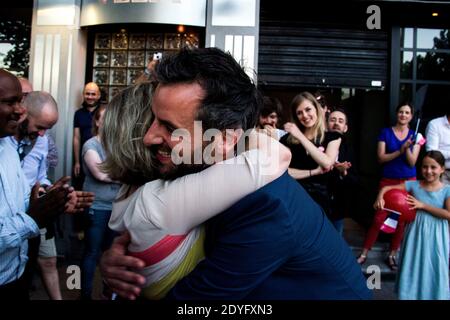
column 83, row 120
column 303, row 161
column 397, row 168
column 105, row 192
column 316, row 186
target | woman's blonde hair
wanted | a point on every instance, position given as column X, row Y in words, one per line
column 319, row 126
column 126, row 120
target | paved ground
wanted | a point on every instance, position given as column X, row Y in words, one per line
column 353, row 234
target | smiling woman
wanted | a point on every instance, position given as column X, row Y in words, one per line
column 314, row 151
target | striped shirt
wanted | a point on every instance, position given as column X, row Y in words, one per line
column 163, row 217
column 15, row 225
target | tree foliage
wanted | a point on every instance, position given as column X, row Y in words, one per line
column 17, row 33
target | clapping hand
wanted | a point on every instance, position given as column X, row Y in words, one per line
column 406, row 145
column 44, row 209
column 78, row 201
column 342, row 167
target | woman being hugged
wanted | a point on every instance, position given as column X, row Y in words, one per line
column 314, row 151
column 397, row 152
column 98, row 235
column 424, row 257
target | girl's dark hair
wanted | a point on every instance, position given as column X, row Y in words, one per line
column 437, row 156
column 405, row 103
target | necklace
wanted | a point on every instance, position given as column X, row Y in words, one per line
column 401, row 132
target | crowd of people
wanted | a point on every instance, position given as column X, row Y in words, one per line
column 258, row 215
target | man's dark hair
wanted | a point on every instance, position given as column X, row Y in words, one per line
column 271, row 104
column 405, row 103
column 231, row 99
column 437, row 156
column 341, row 110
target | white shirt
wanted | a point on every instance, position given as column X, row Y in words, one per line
column 438, row 137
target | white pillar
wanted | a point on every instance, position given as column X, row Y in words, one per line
column 233, row 26
column 57, row 65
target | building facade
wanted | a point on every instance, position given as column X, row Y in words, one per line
column 366, row 56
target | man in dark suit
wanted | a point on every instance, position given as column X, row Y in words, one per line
column 273, row 244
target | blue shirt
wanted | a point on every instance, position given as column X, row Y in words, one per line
column 274, row 244
column 15, row 225
column 34, row 164
column 397, row 168
column 105, row 192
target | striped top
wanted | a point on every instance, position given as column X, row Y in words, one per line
column 163, row 217
column 16, row 227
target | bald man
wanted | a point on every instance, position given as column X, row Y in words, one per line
column 82, row 123
column 26, row 85
column 82, row 126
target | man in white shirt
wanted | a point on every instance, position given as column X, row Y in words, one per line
column 438, row 138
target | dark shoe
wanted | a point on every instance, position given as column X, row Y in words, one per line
column 361, row 259
column 392, row 263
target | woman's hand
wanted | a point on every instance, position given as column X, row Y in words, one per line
column 342, row 167
column 406, row 145
column 293, row 129
column 414, row 203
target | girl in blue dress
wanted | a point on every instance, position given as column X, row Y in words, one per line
column 424, row 255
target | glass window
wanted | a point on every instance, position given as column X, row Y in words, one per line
column 433, row 66
column 15, row 46
column 433, row 100
column 432, row 39
column 120, row 57
column 407, row 37
column 4, row 49
column 429, row 86
column 405, row 92
column 406, row 65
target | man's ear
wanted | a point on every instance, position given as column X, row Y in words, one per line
column 345, row 128
column 230, row 139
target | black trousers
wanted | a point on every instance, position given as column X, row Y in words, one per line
column 16, row 290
